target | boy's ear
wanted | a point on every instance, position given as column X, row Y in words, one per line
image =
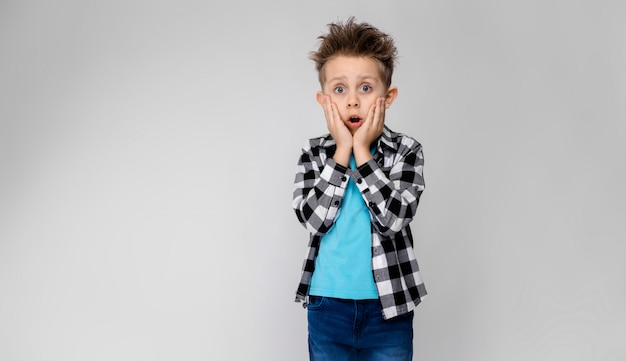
column 392, row 94
column 318, row 97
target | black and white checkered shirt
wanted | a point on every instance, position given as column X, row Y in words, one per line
column 391, row 184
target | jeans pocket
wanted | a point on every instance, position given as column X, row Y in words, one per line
column 315, row 303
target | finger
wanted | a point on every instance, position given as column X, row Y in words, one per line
column 335, row 111
column 333, row 119
column 377, row 122
column 328, row 111
column 333, row 115
column 325, row 104
column 381, row 109
column 371, row 115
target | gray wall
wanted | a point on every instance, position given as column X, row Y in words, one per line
column 147, row 152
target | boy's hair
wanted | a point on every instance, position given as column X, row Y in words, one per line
column 356, row 39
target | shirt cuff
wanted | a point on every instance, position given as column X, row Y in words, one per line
column 365, row 174
column 335, row 174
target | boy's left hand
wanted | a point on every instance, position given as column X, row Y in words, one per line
column 372, row 128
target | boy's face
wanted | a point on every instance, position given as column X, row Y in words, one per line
column 353, row 84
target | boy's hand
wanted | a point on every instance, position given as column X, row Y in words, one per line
column 338, row 130
column 369, row 131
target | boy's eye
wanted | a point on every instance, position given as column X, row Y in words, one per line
column 365, row 88
column 339, row 90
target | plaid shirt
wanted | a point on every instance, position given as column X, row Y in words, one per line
column 391, row 184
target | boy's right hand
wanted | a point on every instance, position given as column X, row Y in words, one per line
column 338, row 130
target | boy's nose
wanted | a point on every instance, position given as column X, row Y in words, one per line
column 353, row 102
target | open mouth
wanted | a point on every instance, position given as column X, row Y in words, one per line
column 354, row 119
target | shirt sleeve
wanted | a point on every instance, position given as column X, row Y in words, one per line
column 319, row 188
column 392, row 199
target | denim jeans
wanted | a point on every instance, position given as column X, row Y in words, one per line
column 355, row 330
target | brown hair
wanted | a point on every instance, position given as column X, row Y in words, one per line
column 356, row 39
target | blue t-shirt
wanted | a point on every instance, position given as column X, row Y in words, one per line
column 343, row 267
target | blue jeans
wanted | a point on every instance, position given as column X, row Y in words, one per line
column 355, row 330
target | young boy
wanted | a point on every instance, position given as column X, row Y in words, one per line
column 356, row 191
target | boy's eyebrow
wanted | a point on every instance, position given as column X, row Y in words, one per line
column 343, row 78
column 337, row 78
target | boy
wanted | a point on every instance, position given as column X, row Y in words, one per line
column 356, row 191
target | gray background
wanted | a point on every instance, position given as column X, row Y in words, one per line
column 147, row 152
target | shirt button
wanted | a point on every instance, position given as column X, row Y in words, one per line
column 336, row 203
column 343, row 179
column 372, row 204
column 360, row 180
